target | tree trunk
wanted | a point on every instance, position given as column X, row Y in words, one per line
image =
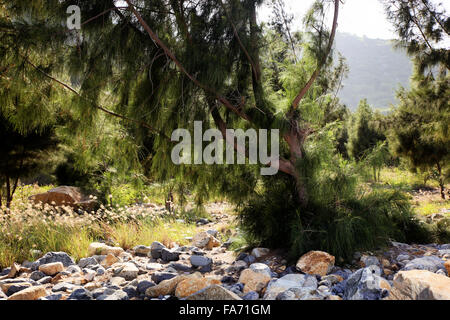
column 8, row 193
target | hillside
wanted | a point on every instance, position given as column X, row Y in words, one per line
column 376, row 70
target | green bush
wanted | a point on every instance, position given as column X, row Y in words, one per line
column 341, row 217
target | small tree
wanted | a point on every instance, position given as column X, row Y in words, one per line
column 363, row 135
column 420, row 127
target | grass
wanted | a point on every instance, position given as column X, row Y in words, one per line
column 27, row 227
column 426, row 208
column 404, row 180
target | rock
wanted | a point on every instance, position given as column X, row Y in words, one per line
column 32, row 293
column 180, row 267
column 261, row 268
column 200, row 261
column 189, row 286
column 143, row 251
column 153, row 266
column 12, row 288
column 45, row 280
column 403, row 257
column 420, row 285
column 316, row 262
column 237, row 266
column 299, row 294
column 365, row 285
column 63, row 286
column 288, row 282
column 129, row 271
column 52, row 257
column 51, row 269
column 116, row 296
column 144, row 285
column 158, row 277
column 156, row 249
column 205, row 240
column 253, row 281
column 98, row 248
column 65, row 196
column 368, row 261
column 169, row 255
column 252, row 295
column 73, row 269
column 37, row 275
column 86, row 262
column 447, row 266
column 109, row 260
column 167, row 287
column 80, row 294
column 214, row 292
column 260, row 252
column 430, row 263
column 54, row 297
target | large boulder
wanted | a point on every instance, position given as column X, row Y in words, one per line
column 65, row 196
column 420, row 285
column 316, row 262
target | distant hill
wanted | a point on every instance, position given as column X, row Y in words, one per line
column 376, row 70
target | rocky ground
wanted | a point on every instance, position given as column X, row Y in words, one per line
column 207, row 270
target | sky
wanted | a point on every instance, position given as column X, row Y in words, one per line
column 359, row 17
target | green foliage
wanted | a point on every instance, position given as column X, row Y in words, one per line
column 419, row 130
column 363, row 135
column 338, row 219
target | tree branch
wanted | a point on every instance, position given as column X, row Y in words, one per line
column 172, row 57
column 314, row 76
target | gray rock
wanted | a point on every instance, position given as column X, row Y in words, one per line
column 52, row 257
column 16, row 288
column 63, row 286
column 144, row 285
column 370, row 261
column 73, row 269
column 180, row 267
column 275, row 287
column 80, row 294
column 155, row 249
column 118, row 295
column 169, row 255
column 214, row 292
column 100, row 271
column 442, row 272
column 53, row 297
column 252, row 295
column 86, row 262
column 261, row 268
column 129, row 271
column 102, row 291
column 200, row 261
column 299, row 294
column 364, row 285
column 37, row 275
column 430, row 263
column 45, row 280
column 157, row 277
column 402, row 257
